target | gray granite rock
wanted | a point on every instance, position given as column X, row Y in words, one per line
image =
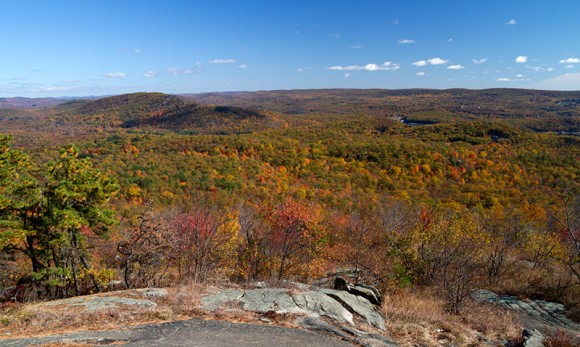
column 532, row 338
column 218, row 300
column 357, row 305
column 96, row 303
column 548, row 313
column 280, row 301
column 347, row 333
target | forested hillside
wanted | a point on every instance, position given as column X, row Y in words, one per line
column 481, row 192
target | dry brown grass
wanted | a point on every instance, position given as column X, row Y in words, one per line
column 418, row 316
column 184, row 302
column 558, row 339
column 74, row 344
column 18, row 320
column 414, row 317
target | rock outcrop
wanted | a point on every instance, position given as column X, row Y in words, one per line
column 548, row 313
column 346, row 333
column 330, row 311
column 368, row 292
column 134, row 297
column 280, row 301
column 538, row 316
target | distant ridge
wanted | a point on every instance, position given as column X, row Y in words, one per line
column 20, row 102
column 163, row 111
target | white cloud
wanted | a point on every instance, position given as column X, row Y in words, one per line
column 519, row 75
column 521, row 59
column 503, row 79
column 570, row 61
column 150, row 73
column 420, row 73
column 420, row 63
column 346, row 75
column 242, row 66
column 432, row 61
column 569, row 66
column 479, row 61
column 115, row 75
column 386, row 66
column 222, row 61
column 569, row 81
column 177, row 71
column 334, row 35
column 300, row 69
column 137, row 50
column 437, row 61
column 550, row 69
column 511, row 22
column 356, row 46
column 406, row 41
column 455, row 67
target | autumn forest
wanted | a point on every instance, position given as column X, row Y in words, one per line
column 448, row 189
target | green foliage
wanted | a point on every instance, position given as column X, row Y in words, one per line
column 50, row 220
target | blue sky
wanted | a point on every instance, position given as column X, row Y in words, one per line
column 86, row 47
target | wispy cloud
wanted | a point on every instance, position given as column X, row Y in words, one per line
column 535, row 68
column 356, row 46
column 137, row 50
column 55, row 89
column 242, row 66
column 569, row 81
column 511, row 22
column 222, row 61
column 151, row 73
column 386, row 66
column 36, row 88
column 569, row 66
column 570, row 61
column 175, row 71
column 455, row 67
column 420, row 63
column 479, row 61
column 406, row 41
column 521, row 59
column 115, row 74
column 334, row 35
column 420, row 73
column 503, row 79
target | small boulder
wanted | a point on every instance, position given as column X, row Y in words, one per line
column 357, row 305
column 532, row 338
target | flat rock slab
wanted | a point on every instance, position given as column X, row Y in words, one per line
column 349, row 334
column 193, row 332
column 96, row 303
